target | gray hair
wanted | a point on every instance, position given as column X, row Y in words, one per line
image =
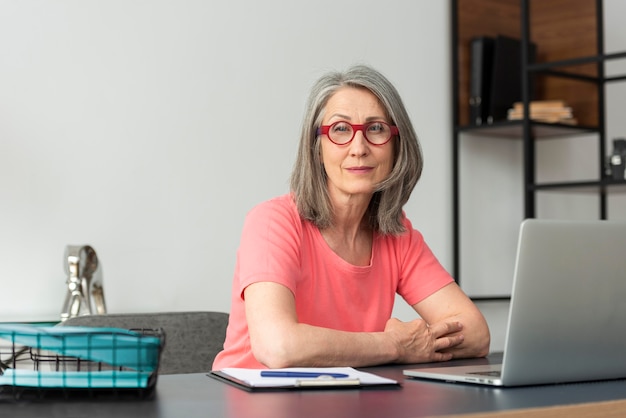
column 308, row 178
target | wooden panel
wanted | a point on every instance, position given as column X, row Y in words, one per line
column 605, row 409
column 566, row 29
column 561, row 29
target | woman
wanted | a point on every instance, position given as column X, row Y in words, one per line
column 318, row 269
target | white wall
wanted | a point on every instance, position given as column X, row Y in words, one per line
column 148, row 128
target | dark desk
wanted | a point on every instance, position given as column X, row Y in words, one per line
column 196, row 395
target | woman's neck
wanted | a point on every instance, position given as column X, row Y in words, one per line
column 350, row 236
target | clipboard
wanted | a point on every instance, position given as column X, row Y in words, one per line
column 251, row 380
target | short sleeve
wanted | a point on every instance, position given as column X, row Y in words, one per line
column 270, row 245
column 421, row 273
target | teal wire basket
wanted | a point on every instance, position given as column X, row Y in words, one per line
column 40, row 362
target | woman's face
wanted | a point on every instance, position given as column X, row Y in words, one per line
column 355, row 168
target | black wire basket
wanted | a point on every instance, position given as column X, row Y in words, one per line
column 75, row 362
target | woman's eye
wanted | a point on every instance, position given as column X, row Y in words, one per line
column 341, row 127
column 376, row 127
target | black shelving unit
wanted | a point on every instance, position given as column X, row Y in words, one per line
column 526, row 130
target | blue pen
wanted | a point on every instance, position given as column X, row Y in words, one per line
column 274, row 373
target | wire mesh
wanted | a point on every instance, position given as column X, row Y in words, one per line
column 78, row 362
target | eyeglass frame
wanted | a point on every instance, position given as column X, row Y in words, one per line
column 323, row 130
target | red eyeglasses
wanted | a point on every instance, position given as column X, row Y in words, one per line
column 342, row 133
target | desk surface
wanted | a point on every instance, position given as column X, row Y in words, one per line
column 197, row 395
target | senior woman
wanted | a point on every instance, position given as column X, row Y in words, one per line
column 318, row 269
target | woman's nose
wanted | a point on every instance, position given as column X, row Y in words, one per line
column 359, row 145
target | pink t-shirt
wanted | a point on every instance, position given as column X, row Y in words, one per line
column 278, row 246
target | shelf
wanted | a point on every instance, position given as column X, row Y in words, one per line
column 568, row 64
column 539, row 130
column 576, row 61
column 590, row 186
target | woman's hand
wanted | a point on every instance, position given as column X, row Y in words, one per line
column 450, row 305
column 418, row 342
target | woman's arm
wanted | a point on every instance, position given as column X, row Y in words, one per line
column 279, row 340
column 451, row 304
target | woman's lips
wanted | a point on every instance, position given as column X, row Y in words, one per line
column 359, row 170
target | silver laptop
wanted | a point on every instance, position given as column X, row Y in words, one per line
column 567, row 318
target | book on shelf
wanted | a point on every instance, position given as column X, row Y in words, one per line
column 481, row 57
column 495, row 77
column 541, row 104
column 506, row 83
column 550, row 111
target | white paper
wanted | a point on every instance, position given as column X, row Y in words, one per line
column 253, row 378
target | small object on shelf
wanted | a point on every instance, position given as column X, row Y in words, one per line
column 85, row 294
column 549, row 111
column 617, row 160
